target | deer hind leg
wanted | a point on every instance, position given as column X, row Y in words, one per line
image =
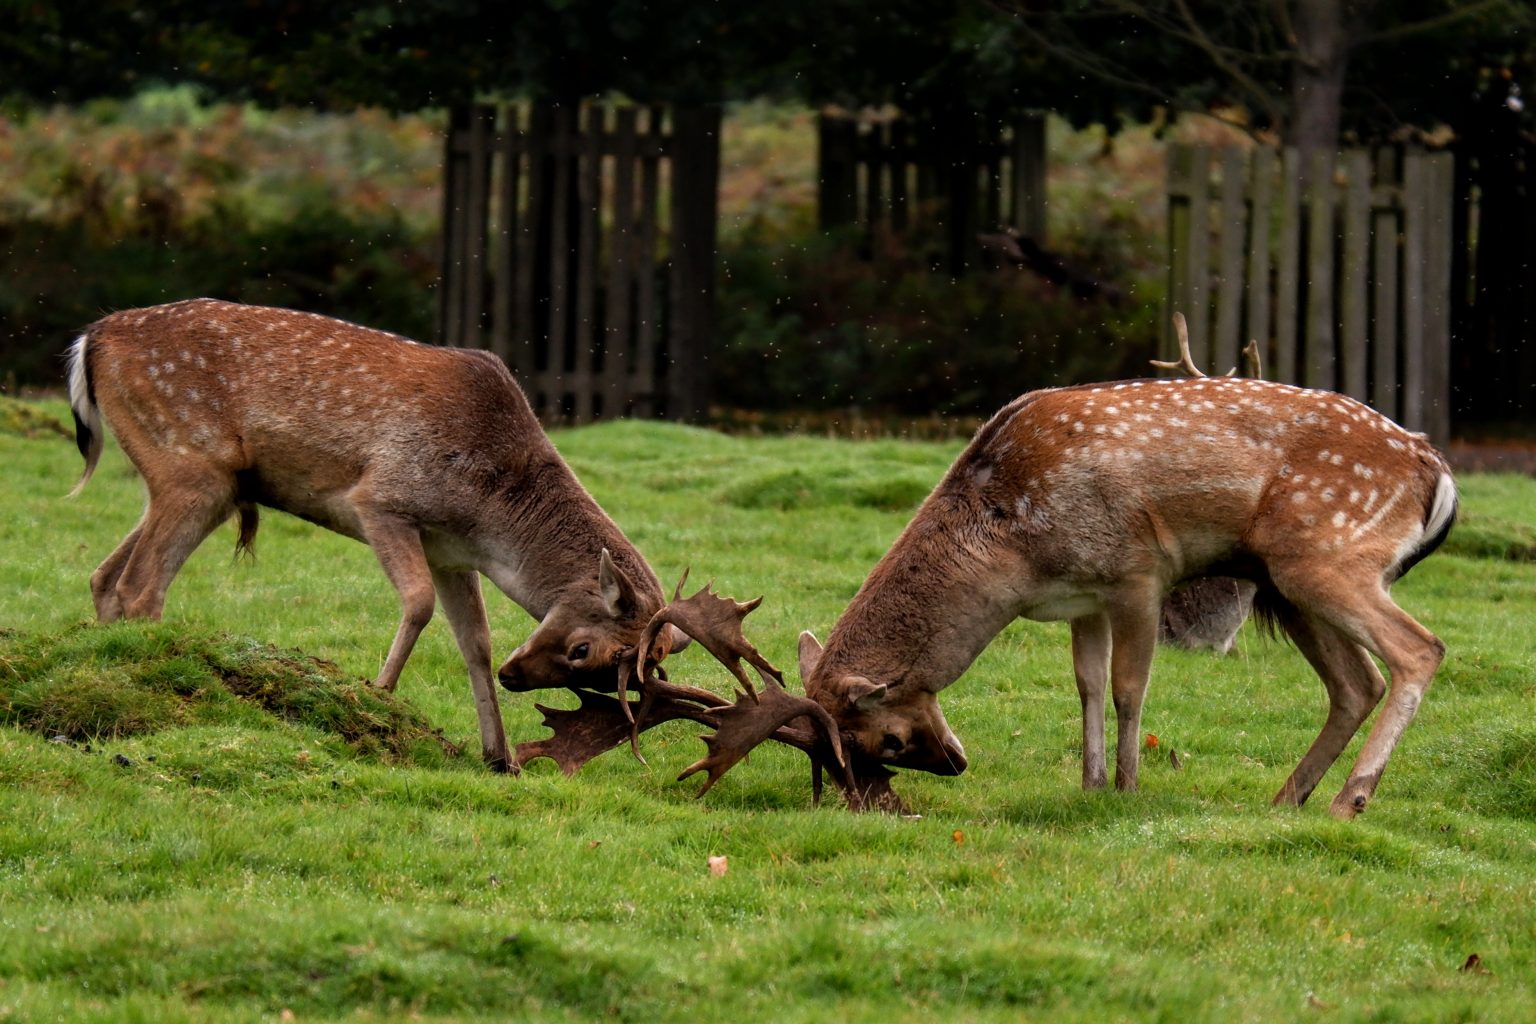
column 1090, row 664
column 459, row 592
column 1359, row 607
column 397, row 545
column 109, row 607
column 133, row 581
column 1354, row 688
column 1133, row 629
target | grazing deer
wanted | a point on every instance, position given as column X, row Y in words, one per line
column 1090, row 503
column 430, row 456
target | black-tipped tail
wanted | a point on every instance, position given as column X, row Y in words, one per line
column 82, row 403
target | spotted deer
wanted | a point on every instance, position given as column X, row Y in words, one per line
column 431, row 456
column 1089, row 504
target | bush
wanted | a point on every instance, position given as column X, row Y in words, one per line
column 807, row 324
column 128, row 203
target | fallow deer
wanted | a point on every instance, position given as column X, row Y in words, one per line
column 431, row 456
column 1088, row 504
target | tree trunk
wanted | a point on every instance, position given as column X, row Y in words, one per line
column 1317, row 78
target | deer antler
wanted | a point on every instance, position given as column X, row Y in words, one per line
column 602, row 722
column 715, row 623
column 1185, row 361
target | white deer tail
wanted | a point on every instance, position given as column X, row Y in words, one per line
column 82, row 402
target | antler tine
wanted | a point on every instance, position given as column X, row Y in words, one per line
column 1185, row 361
column 1254, row 360
column 639, row 667
column 715, row 622
column 745, row 724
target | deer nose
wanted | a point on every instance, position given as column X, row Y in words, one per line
column 954, row 758
column 511, row 677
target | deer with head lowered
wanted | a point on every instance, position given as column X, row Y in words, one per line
column 431, row 456
column 1090, row 504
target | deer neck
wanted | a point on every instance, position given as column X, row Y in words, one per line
column 546, row 539
column 926, row 611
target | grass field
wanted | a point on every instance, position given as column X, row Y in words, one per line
column 234, row 857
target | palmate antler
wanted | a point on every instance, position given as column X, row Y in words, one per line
column 602, row 722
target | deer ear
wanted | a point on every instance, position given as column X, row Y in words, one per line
column 863, row 694
column 810, row 655
column 618, row 593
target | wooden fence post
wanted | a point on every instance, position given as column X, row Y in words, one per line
column 695, row 184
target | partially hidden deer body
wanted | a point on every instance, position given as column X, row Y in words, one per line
column 429, row 455
column 1089, row 504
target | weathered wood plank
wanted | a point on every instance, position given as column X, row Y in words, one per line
column 646, row 382
column 1261, row 213
column 1321, row 203
column 1437, row 300
column 1197, row 315
column 1415, row 379
column 1354, row 295
column 623, row 267
column 589, row 201
column 508, row 221
column 1229, row 274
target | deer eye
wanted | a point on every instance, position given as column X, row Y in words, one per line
column 892, row 743
column 579, row 653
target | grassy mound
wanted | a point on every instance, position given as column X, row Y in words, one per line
column 25, row 419
column 129, row 679
column 1493, row 537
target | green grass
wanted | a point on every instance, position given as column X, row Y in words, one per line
column 272, row 846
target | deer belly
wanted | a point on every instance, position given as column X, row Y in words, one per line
column 311, row 500
column 1061, row 603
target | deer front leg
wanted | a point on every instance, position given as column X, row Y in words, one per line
column 1133, row 632
column 1090, row 664
column 397, row 545
column 459, row 592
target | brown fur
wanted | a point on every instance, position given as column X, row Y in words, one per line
column 1090, row 504
column 429, row 455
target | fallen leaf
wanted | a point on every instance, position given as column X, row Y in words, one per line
column 958, row 837
column 718, row 866
column 1474, row 965
column 1151, row 740
column 594, row 844
column 1316, row 1003
column 287, row 1014
column 1174, row 759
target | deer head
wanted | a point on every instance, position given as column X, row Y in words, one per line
column 881, row 726
column 593, row 627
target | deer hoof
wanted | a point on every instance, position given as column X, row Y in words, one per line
column 1345, row 807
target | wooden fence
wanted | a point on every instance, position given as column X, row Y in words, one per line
column 1344, row 283
column 891, row 173
column 579, row 245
